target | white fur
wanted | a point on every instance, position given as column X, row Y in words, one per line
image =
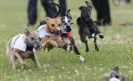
column 81, row 58
column 114, row 79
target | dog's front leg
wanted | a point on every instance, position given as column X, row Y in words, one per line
column 81, row 58
column 36, row 61
column 46, row 41
column 83, row 39
column 95, row 42
column 52, row 42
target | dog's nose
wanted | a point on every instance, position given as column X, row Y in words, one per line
column 37, row 47
column 101, row 36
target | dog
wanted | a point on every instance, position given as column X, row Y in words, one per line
column 67, row 32
column 54, row 37
column 87, row 27
column 21, row 47
column 114, row 75
column 50, row 25
column 49, row 28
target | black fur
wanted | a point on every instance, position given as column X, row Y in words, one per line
column 87, row 27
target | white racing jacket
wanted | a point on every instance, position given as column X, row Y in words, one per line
column 18, row 42
column 41, row 31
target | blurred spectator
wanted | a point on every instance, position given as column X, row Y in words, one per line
column 103, row 11
column 32, row 10
column 63, row 5
column 128, row 1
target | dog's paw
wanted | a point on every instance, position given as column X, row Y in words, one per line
column 81, row 58
column 93, row 35
column 101, row 36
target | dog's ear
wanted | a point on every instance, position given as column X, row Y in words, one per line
column 47, row 18
column 81, row 7
column 88, row 4
column 68, row 11
column 69, row 14
column 59, row 20
column 26, row 31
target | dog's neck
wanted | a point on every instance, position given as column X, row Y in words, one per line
column 88, row 21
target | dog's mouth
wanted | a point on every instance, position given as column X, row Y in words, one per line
column 55, row 30
column 58, row 28
column 35, row 46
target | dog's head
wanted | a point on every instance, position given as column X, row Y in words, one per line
column 86, row 10
column 66, row 22
column 115, row 72
column 32, row 39
column 53, row 25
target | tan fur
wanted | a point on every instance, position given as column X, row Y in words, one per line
column 56, row 41
column 52, row 24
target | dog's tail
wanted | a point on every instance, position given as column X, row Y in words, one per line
column 58, row 11
column 9, row 49
column 8, row 46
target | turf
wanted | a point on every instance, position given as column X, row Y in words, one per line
column 59, row 65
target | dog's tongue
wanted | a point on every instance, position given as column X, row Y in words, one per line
column 69, row 34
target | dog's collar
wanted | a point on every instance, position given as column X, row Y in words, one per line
column 29, row 47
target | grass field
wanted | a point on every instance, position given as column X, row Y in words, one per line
column 115, row 49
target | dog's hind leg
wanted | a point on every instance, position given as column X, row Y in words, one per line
column 12, row 59
column 95, row 42
column 20, row 59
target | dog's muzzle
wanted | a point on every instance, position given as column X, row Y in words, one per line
column 58, row 28
column 37, row 46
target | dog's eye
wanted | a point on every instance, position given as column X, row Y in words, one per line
column 52, row 25
column 68, row 20
column 59, row 24
column 32, row 38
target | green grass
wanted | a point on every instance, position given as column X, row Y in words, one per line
column 115, row 49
